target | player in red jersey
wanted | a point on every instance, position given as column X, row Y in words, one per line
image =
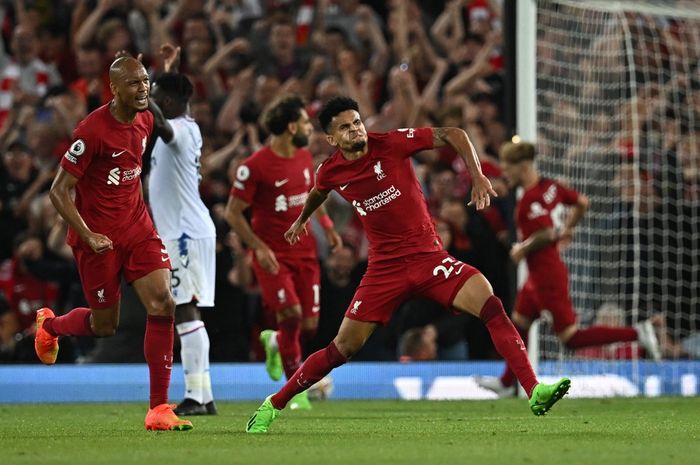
column 112, row 234
column 547, row 286
column 406, row 259
column 274, row 182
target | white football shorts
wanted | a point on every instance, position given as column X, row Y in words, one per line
column 194, row 270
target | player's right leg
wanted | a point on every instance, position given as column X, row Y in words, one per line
column 352, row 335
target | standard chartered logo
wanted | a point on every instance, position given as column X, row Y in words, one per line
column 280, row 203
column 378, row 201
column 116, row 176
column 113, row 177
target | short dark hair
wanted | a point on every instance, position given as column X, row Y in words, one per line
column 176, row 86
column 281, row 112
column 333, row 108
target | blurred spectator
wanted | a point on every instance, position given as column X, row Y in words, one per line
column 418, row 344
column 24, row 78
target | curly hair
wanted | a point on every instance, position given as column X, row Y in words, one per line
column 333, row 108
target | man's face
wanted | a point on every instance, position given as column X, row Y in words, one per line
column 304, row 128
column 195, row 29
column 281, row 38
column 511, row 172
column 18, row 163
column 89, row 63
column 132, row 86
column 341, row 263
column 23, row 43
column 347, row 131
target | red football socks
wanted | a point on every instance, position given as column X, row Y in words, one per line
column 600, row 335
column 507, row 342
column 74, row 323
column 508, row 377
column 288, row 331
column 318, row 365
column 158, row 350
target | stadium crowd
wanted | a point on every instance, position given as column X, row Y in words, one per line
column 409, row 63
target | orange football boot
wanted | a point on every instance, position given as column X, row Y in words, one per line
column 45, row 345
column 162, row 418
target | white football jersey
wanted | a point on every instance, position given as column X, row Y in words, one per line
column 173, row 184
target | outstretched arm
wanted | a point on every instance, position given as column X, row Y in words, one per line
column 459, row 141
column 313, row 201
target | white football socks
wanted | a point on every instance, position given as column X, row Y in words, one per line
column 194, row 352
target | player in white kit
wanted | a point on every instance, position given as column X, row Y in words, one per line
column 187, row 230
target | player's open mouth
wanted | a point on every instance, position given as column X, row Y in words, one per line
column 142, row 100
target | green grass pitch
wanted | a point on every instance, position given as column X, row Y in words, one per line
column 614, row 431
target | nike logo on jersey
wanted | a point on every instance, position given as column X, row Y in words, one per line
column 343, row 187
column 115, row 154
column 281, row 182
column 164, row 259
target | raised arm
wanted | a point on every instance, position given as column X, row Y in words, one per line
column 313, row 201
column 161, row 125
column 459, row 141
column 60, row 195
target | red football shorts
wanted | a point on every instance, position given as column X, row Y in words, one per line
column 100, row 274
column 532, row 299
column 387, row 284
column 296, row 283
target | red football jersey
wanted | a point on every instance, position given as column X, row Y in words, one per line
column 384, row 190
column 276, row 189
column 106, row 156
column 541, row 207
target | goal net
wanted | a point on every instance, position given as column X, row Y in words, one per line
column 618, row 119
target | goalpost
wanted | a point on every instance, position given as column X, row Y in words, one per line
column 610, row 93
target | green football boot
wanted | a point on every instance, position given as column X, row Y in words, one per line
column 300, row 401
column 273, row 360
column 262, row 418
column 544, row 396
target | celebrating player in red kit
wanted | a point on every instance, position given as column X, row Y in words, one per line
column 547, row 286
column 274, row 183
column 374, row 173
column 112, row 234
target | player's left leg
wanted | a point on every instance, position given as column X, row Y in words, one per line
column 527, row 308
column 194, row 348
column 153, row 290
column 476, row 297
